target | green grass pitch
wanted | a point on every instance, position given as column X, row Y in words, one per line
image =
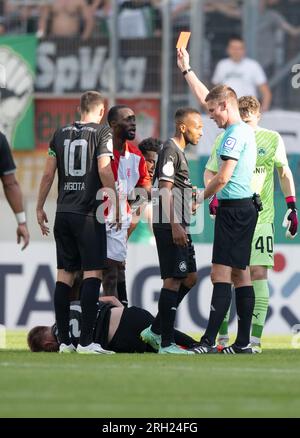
column 149, row 385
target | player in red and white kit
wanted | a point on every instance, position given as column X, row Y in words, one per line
column 130, row 171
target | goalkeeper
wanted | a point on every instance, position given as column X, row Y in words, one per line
column 270, row 153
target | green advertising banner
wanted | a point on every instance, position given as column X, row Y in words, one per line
column 17, row 65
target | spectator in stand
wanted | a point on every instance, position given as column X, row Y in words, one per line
column 268, row 24
column 137, row 18
column 220, row 23
column 13, row 20
column 101, row 10
column 242, row 74
column 180, row 13
column 290, row 10
column 64, row 18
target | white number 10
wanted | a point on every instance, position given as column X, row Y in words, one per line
column 69, row 157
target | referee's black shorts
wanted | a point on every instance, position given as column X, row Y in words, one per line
column 174, row 261
column 234, row 228
column 80, row 242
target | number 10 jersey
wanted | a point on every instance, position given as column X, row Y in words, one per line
column 77, row 148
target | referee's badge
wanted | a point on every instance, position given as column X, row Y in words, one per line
column 168, row 168
column 229, row 144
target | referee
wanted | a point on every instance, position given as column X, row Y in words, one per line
column 236, row 216
column 81, row 152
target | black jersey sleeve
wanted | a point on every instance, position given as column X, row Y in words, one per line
column 168, row 163
column 7, row 164
column 104, row 142
column 52, row 146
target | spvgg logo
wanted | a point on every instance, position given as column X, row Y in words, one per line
column 87, row 68
column 17, row 92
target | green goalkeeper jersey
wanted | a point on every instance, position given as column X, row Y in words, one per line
column 270, row 153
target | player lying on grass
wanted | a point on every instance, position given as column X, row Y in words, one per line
column 117, row 328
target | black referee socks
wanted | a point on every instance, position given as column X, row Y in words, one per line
column 89, row 299
column 62, row 311
column 245, row 300
column 220, row 302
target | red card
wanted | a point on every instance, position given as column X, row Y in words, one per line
column 183, row 40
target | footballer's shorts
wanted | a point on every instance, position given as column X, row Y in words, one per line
column 234, row 229
column 127, row 337
column 80, row 242
column 262, row 252
column 174, row 261
column 116, row 243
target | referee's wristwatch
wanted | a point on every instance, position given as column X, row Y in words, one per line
column 185, row 72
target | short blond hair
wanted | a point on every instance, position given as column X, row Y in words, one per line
column 248, row 105
column 221, row 93
column 90, row 100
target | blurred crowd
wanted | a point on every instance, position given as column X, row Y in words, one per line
column 143, row 18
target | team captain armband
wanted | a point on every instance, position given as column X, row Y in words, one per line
column 51, row 153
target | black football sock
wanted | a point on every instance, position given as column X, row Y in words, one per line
column 167, row 310
column 220, row 302
column 62, row 311
column 89, row 300
column 245, row 300
column 183, row 290
column 184, row 340
column 155, row 326
column 122, row 292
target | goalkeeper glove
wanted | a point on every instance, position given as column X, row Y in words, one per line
column 290, row 220
column 213, row 205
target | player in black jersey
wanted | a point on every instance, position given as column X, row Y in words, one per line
column 12, row 189
column 81, row 153
column 117, row 328
column 174, row 245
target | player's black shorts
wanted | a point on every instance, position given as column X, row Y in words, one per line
column 80, row 242
column 174, row 261
column 127, row 337
column 234, row 229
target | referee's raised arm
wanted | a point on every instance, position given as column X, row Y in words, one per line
column 198, row 88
